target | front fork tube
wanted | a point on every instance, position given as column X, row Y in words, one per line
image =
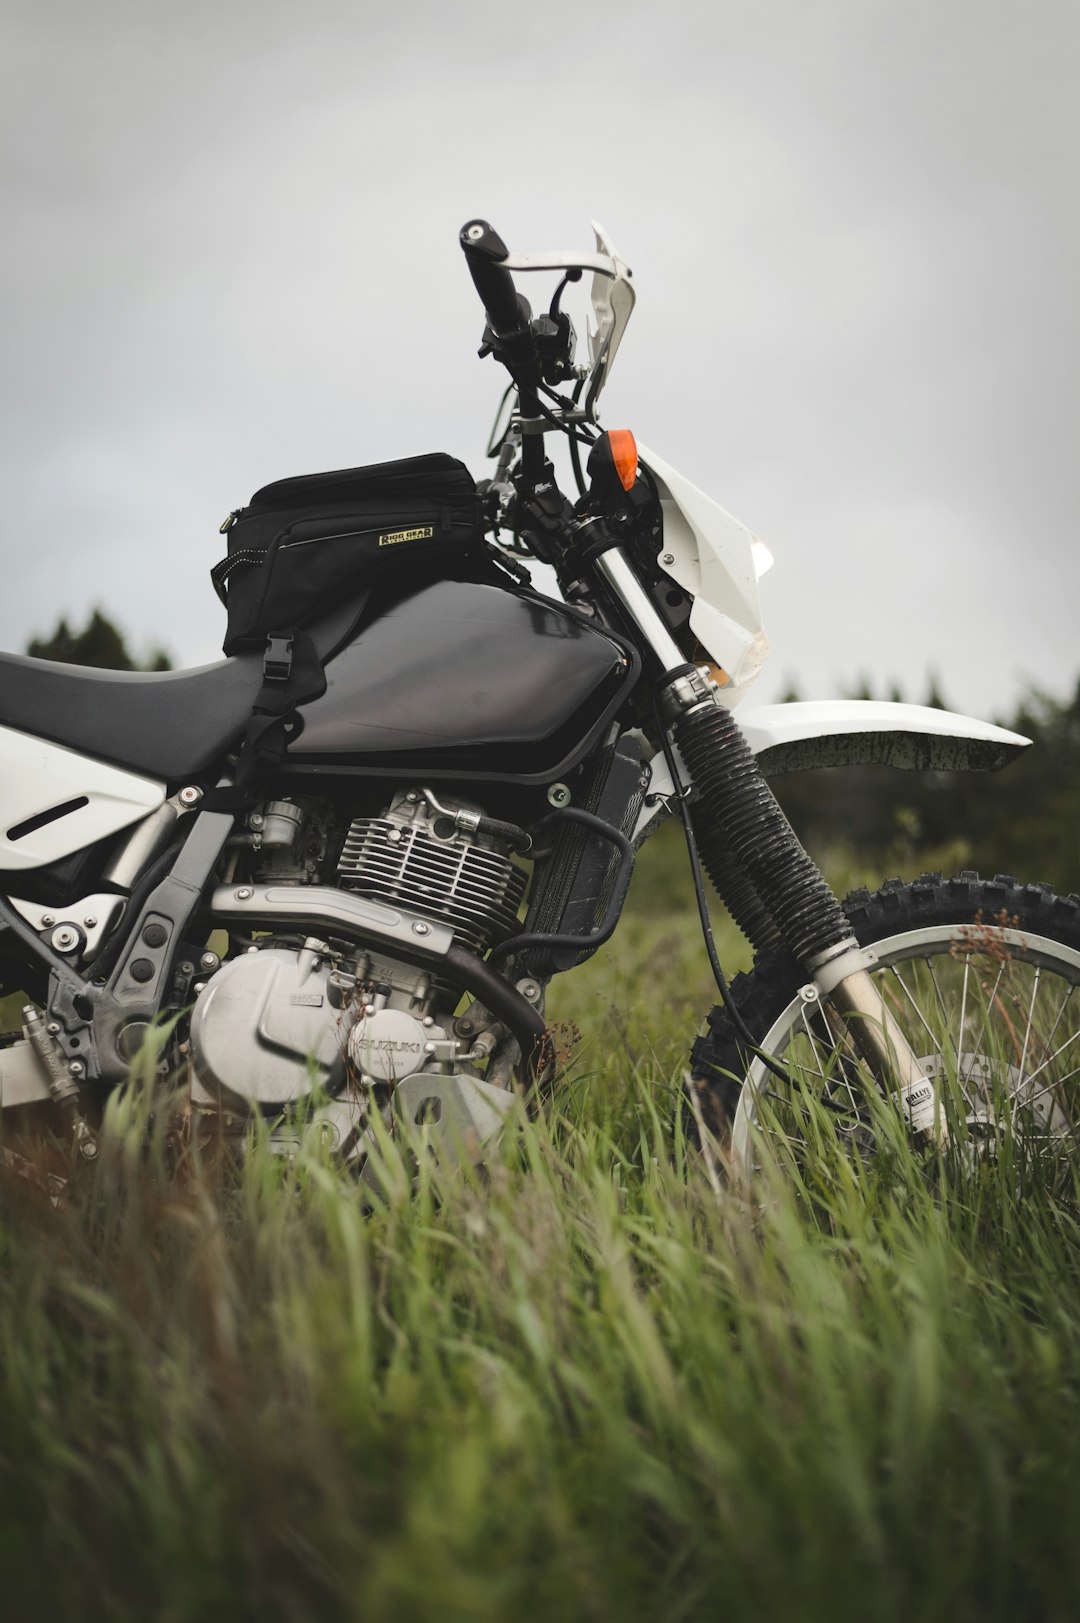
column 844, row 980
column 755, row 859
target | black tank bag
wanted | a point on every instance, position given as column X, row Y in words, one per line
column 302, row 545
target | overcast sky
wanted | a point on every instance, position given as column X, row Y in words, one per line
column 230, row 255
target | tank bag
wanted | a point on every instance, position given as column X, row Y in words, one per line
column 302, row 545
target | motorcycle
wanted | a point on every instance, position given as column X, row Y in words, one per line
column 336, row 871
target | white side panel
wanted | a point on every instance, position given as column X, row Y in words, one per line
column 850, row 732
column 36, row 777
column 718, row 561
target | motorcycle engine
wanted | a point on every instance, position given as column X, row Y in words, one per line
column 285, row 1019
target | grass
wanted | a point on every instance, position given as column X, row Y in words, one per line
column 581, row 1385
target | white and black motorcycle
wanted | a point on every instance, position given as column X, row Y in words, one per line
column 341, row 866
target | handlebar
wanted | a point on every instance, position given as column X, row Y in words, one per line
column 507, row 310
column 510, row 329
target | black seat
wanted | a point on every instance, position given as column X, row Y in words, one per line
column 168, row 724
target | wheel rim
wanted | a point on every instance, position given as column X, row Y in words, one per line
column 993, row 1011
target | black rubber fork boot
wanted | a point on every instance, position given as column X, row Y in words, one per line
column 732, row 884
column 751, row 853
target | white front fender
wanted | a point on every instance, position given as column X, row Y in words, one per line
column 864, row 732
column 852, row 732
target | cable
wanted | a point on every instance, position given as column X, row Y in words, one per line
column 575, row 454
column 494, row 446
column 568, row 429
column 589, row 430
column 564, row 428
column 575, row 463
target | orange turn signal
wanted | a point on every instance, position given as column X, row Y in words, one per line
column 624, row 455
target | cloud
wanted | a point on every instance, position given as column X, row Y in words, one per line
column 853, row 228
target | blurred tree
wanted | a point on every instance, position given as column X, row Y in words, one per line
column 100, row 644
column 934, row 697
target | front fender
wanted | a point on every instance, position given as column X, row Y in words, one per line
column 870, row 732
column 852, row 732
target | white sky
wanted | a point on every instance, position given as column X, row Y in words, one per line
column 230, row 255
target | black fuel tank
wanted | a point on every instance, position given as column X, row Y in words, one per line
column 466, row 680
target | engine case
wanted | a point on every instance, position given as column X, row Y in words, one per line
column 271, row 1029
column 263, row 1033
column 279, row 1024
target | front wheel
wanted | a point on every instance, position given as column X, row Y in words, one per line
column 982, row 977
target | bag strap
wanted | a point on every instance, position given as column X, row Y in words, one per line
column 292, row 675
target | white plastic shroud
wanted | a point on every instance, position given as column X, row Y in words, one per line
column 56, row 801
column 719, row 562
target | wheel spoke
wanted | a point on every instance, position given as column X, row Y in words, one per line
column 991, row 1001
column 937, row 994
column 1052, row 1057
column 1030, row 1017
column 914, row 1004
column 1047, row 1087
column 812, row 1041
column 959, row 1038
column 1060, row 1015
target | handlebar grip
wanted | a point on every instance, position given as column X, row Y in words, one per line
column 483, row 247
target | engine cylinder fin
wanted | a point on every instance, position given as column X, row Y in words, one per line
column 475, row 890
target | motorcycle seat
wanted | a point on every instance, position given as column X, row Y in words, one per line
column 166, row 724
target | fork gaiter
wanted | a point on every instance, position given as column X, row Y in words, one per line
column 772, row 888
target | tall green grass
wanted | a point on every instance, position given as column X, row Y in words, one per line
column 582, row 1384
column 587, row 1382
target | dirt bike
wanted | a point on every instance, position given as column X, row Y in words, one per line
column 339, row 868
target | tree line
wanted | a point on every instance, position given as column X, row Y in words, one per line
column 99, row 643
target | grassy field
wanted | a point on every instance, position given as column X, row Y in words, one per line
column 583, row 1385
